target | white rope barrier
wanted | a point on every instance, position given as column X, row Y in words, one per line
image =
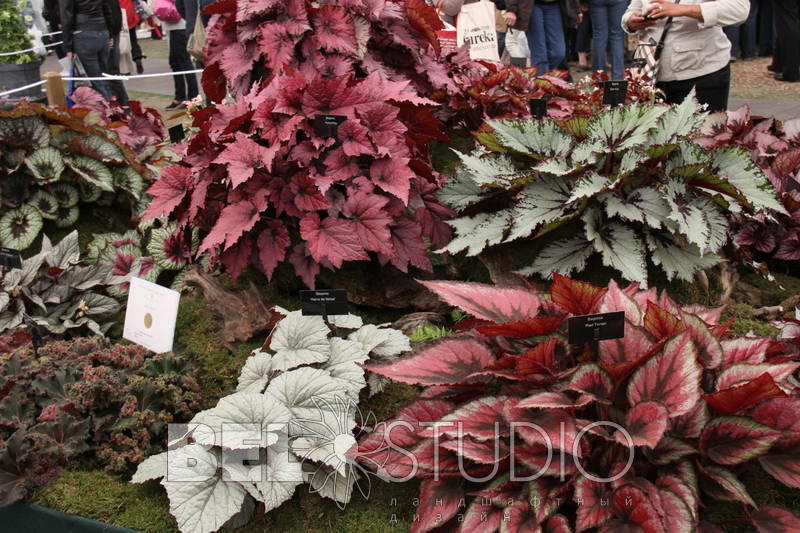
column 20, row 89
column 110, row 77
column 51, row 33
column 19, row 52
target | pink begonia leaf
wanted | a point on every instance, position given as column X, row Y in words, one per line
column 278, row 44
column 536, row 426
column 304, row 265
column 393, row 175
column 732, row 440
column 271, row 244
column 305, row 193
column 487, row 302
column 742, row 372
column 672, row 377
column 237, row 59
column 371, row 222
column 481, row 418
column 408, row 246
column 169, row 191
column 448, row 362
column 709, row 349
column 354, row 139
column 592, row 513
column 339, row 167
column 243, row 156
column 334, row 239
column 334, row 30
column 616, row 300
column 645, row 423
column 237, row 258
column 328, row 96
column 233, row 221
column 744, row 350
column 248, row 9
column 438, row 502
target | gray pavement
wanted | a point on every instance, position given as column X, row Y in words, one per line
column 768, row 108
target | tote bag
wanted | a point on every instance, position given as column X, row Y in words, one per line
column 476, row 26
column 197, row 40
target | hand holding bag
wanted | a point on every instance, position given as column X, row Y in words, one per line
column 647, row 56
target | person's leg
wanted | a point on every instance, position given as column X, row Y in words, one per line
column 136, row 51
column 616, row 38
column 675, row 91
column 713, row 89
column 554, row 35
column 536, row 39
column 91, row 47
column 733, row 33
column 179, row 81
column 787, row 19
column 749, row 31
column 117, row 86
column 184, row 63
column 598, row 9
column 584, row 39
column 765, row 33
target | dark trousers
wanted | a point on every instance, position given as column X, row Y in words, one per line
column 136, row 50
column 787, row 22
column 766, row 28
column 583, row 42
column 179, row 60
column 91, row 47
column 711, row 89
column 744, row 36
column 117, row 86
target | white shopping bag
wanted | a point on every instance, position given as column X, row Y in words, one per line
column 476, row 26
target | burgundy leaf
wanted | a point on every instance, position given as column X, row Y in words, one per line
column 660, row 323
column 670, row 450
column 272, row 243
column 709, row 349
column 393, row 175
column 482, row 518
column 448, row 362
column 726, row 481
column 408, row 246
column 233, row 221
column 540, row 325
column 577, row 297
column 591, row 511
column 774, row 519
column 304, row 265
column 732, row 440
column 633, row 511
column 783, row 466
column 782, row 414
column 671, row 377
column 370, row 220
column 237, row 258
column 592, row 380
column 539, row 360
column 487, row 302
column 481, row 419
column 169, row 191
column 735, row 399
column 545, row 426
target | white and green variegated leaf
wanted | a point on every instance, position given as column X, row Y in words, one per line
column 619, row 246
column 738, row 168
column 586, row 153
column 331, row 484
column 631, row 160
column 717, row 226
column 475, row 234
column 102, row 149
column 67, row 216
column 459, row 191
column 66, row 195
column 46, row 164
column 46, row 203
column 256, row 372
column 89, row 193
column 539, row 203
column 554, row 166
column 678, row 262
column 348, row 321
column 281, row 476
column 590, row 185
column 542, row 138
column 199, row 499
column 313, row 439
column 679, row 122
column 303, row 389
column 128, row 179
column 64, row 254
column 346, row 355
column 564, row 256
column 154, row 467
column 19, row 227
column 234, row 418
column 688, row 214
column 621, row 128
column 28, row 130
column 644, row 204
column 370, row 337
column 92, row 172
column 396, row 342
column 487, row 168
column 299, row 340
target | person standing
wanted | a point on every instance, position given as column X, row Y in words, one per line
column 696, row 53
column 179, row 60
column 607, row 35
column 133, row 19
column 85, row 31
column 787, row 55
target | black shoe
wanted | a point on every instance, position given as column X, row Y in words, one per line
column 780, row 77
column 175, row 105
column 772, row 68
column 139, row 66
column 180, row 106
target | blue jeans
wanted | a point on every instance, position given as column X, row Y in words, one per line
column 91, row 47
column 545, row 35
column 744, row 36
column 607, row 36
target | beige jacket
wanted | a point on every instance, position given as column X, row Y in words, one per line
column 693, row 48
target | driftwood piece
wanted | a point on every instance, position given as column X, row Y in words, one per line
column 243, row 313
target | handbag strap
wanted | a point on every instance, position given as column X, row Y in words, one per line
column 660, row 45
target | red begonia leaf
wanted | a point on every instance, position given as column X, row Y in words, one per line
column 332, row 239
column 271, row 244
column 214, row 85
column 742, row 373
column 744, row 350
column 539, row 360
column 615, row 299
column 537, row 426
column 237, row 258
column 540, row 325
column 592, row 513
column 691, row 424
column 408, row 246
column 244, row 156
column 672, row 377
column 486, row 452
column 448, row 362
column 278, row 44
column 304, row 265
column 660, row 323
column 425, row 20
column 334, row 30
column 481, row 418
column 169, row 191
column 487, row 302
column 370, row 221
column 727, row 482
column 774, row 519
column 731, row 440
column 577, row 297
column 592, row 380
column 393, row 175
column 482, row 518
column 645, row 423
column 631, row 348
column 233, row 221
column 305, row 194
column 783, row 465
column 353, row 137
column 634, row 511
column 737, row 398
column 709, row 349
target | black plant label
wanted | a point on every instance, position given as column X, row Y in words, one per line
column 614, row 92
column 326, row 126
column 538, row 107
column 599, row 327
column 176, row 133
column 323, row 302
column 10, row 258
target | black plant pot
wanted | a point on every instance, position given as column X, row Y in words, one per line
column 32, row 518
column 13, row 76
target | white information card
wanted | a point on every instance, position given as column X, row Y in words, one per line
column 151, row 315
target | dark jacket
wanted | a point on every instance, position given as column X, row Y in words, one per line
column 188, row 10
column 522, row 9
column 86, row 15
